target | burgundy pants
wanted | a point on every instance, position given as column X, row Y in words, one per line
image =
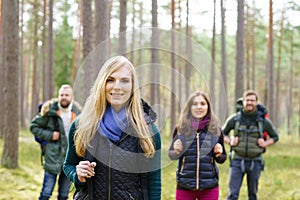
column 210, row 194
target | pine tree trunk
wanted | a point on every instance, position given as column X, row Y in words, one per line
column 239, row 73
column 11, row 91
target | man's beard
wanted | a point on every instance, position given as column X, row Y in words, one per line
column 64, row 104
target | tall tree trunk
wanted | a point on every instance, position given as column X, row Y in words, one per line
column 253, row 45
column 154, row 92
column 290, row 88
column 77, row 54
column 270, row 66
column 247, row 46
column 11, row 106
column 278, row 79
column 133, row 32
column 239, row 73
column 87, row 43
column 102, row 26
column 2, row 69
column 50, row 51
column 173, row 64
column 224, row 62
column 140, row 33
column 22, row 73
column 123, row 27
column 213, row 56
column 180, row 52
column 188, row 50
column 45, row 75
column 35, row 82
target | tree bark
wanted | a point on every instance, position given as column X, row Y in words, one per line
column 50, row 66
column 87, row 44
column 2, row 69
column 224, row 61
column 213, row 57
column 11, row 105
column 35, row 81
column 270, row 66
column 154, row 92
column 123, row 27
column 173, row 64
column 239, row 73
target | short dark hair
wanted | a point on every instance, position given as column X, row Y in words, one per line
column 250, row 92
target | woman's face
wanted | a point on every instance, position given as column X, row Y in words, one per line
column 118, row 88
column 199, row 107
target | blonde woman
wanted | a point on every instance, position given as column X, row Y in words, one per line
column 114, row 146
column 197, row 144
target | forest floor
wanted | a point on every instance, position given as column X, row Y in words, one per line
column 279, row 180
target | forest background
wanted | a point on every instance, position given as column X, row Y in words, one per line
column 223, row 47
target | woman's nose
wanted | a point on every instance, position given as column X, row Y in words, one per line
column 117, row 85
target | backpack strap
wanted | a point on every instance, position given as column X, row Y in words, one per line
column 237, row 122
column 260, row 124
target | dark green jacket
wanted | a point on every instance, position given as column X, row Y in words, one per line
column 248, row 118
column 43, row 126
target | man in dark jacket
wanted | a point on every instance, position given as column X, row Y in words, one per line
column 247, row 145
column 52, row 124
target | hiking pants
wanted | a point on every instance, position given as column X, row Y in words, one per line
column 238, row 168
column 48, row 185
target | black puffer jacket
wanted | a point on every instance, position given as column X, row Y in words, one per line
column 115, row 169
column 122, row 167
column 196, row 165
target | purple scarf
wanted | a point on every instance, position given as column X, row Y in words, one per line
column 197, row 125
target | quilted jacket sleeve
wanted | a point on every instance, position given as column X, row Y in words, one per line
column 155, row 176
column 72, row 159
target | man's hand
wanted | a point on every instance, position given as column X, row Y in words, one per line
column 234, row 141
column 55, row 135
column 226, row 139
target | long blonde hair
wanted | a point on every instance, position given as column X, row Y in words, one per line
column 96, row 104
column 184, row 122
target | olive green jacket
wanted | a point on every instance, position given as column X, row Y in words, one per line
column 43, row 125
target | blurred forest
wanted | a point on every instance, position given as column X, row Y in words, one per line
column 177, row 47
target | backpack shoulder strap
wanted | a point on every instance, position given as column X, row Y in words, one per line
column 237, row 122
column 260, row 124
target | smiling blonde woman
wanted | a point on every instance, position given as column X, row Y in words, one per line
column 113, row 139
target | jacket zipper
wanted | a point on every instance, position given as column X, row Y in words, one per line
column 182, row 165
column 212, row 165
column 246, row 146
column 130, row 196
column 198, row 161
